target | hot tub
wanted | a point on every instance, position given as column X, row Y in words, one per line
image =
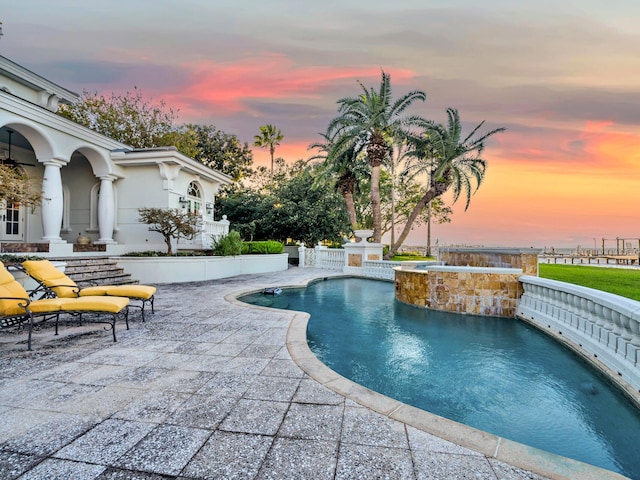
column 474, row 290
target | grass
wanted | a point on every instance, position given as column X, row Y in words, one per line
column 404, row 258
column 621, row 281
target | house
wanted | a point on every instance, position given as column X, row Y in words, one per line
column 92, row 185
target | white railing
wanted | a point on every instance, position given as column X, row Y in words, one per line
column 215, row 229
column 604, row 325
column 329, row 258
column 379, row 269
column 334, row 259
column 207, row 229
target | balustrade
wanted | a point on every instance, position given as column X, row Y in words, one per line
column 379, row 269
column 606, row 326
column 330, row 258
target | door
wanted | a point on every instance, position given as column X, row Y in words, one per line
column 11, row 222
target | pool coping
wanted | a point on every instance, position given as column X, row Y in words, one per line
column 514, row 453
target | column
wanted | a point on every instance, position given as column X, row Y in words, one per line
column 106, row 210
column 301, row 255
column 52, row 201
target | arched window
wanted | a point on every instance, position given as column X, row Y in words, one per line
column 194, row 198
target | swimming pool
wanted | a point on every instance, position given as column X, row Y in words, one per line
column 499, row 375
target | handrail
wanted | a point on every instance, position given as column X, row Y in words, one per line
column 601, row 324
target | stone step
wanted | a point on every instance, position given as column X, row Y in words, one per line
column 96, row 271
column 81, row 269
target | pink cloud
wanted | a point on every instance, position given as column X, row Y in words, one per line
column 226, row 87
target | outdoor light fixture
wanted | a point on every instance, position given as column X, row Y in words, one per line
column 209, row 207
column 182, row 201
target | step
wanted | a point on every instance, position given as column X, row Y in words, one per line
column 96, row 271
column 82, row 269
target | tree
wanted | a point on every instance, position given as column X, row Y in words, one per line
column 170, row 223
column 15, row 187
column 265, row 180
column 244, row 208
column 270, row 137
column 369, row 121
column 221, row 151
column 292, row 208
column 141, row 123
column 305, row 213
column 128, row 118
column 344, row 171
column 450, row 162
column 437, row 212
column 407, row 194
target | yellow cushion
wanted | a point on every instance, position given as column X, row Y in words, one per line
column 133, row 291
column 93, row 304
column 44, row 271
column 9, row 287
column 47, row 305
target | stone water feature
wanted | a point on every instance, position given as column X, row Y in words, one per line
column 481, row 281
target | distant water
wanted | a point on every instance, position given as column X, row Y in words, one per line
column 499, row 375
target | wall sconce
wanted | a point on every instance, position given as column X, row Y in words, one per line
column 182, row 201
column 209, row 208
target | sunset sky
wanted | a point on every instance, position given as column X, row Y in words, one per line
column 562, row 77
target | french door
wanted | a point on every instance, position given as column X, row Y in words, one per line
column 11, row 222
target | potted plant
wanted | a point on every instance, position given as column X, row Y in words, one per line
column 83, row 239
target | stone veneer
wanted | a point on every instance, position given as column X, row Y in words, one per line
column 19, row 247
column 524, row 258
column 481, row 291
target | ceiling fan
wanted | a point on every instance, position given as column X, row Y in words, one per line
column 10, row 161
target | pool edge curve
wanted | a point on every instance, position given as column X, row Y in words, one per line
column 514, row 453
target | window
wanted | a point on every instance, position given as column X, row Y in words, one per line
column 194, row 199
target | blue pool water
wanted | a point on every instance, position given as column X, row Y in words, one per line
column 499, row 375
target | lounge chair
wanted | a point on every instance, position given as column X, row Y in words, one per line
column 54, row 282
column 16, row 308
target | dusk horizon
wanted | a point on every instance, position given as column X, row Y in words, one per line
column 561, row 78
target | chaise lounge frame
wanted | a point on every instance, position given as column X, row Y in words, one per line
column 48, row 288
column 21, row 311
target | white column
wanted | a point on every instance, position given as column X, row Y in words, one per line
column 52, row 201
column 301, row 256
column 106, row 210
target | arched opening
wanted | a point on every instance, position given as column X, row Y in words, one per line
column 194, row 199
column 16, row 153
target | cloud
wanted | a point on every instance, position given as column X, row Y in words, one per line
column 228, row 87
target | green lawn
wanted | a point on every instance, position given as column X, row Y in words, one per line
column 621, row 281
column 404, row 258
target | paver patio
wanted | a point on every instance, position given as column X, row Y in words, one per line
column 204, row 389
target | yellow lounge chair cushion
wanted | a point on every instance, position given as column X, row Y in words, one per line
column 92, row 304
column 133, row 291
column 9, row 287
column 47, row 305
column 44, row 271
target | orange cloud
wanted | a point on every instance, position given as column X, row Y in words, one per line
column 612, row 150
column 289, row 150
column 226, row 87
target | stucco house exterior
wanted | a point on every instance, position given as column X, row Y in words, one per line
column 91, row 185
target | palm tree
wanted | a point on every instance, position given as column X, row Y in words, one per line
column 344, row 171
column 450, row 162
column 270, row 137
column 367, row 123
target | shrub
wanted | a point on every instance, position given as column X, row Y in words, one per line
column 230, row 244
column 8, row 259
column 268, row 247
column 145, row 253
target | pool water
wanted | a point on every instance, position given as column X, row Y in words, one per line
column 496, row 374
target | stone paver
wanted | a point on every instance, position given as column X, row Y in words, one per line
column 205, row 388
